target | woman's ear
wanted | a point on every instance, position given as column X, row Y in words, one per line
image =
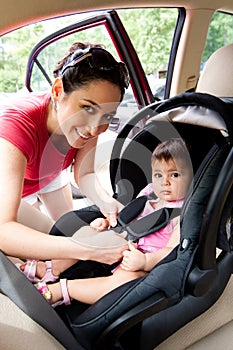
column 57, row 89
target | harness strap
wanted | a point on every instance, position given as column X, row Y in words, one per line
column 146, row 225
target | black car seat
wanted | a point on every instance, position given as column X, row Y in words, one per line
column 158, row 322
column 213, row 328
column 143, row 313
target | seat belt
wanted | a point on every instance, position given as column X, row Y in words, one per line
column 145, row 225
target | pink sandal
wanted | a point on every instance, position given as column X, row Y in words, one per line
column 30, row 271
column 44, row 290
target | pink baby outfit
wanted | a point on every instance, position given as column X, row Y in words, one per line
column 156, row 240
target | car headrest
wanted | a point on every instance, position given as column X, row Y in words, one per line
column 216, row 77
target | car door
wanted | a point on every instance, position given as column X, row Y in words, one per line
column 116, row 39
column 106, row 27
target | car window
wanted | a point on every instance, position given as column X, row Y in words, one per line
column 48, row 57
column 16, row 46
column 150, row 30
column 220, row 33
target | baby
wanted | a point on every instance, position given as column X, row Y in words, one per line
column 171, row 179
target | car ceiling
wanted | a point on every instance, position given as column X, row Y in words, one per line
column 18, row 13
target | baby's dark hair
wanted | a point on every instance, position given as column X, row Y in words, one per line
column 82, row 74
column 171, row 149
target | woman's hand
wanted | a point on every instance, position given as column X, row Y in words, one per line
column 110, row 209
column 108, row 205
column 108, row 255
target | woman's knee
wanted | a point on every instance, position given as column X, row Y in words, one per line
column 32, row 217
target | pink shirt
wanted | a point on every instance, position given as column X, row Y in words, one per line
column 23, row 123
column 158, row 239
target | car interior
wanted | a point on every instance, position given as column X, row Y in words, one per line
column 208, row 159
column 184, row 302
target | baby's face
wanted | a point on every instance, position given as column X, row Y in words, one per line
column 171, row 179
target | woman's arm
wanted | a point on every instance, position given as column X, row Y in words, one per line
column 89, row 184
column 25, row 242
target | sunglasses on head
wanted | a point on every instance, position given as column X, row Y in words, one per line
column 100, row 59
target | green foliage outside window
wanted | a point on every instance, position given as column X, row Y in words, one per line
column 156, row 28
column 151, row 31
column 220, row 34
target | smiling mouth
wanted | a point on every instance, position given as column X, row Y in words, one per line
column 81, row 134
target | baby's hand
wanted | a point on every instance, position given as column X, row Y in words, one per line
column 133, row 259
column 100, row 224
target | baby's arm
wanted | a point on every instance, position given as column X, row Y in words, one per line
column 133, row 259
column 153, row 259
column 100, row 224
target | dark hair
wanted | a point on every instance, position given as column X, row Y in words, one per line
column 171, row 149
column 82, row 74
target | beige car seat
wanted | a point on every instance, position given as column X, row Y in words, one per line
column 213, row 329
column 216, row 78
column 17, row 330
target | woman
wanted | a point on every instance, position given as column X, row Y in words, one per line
column 41, row 134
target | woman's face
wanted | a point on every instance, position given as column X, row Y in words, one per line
column 85, row 113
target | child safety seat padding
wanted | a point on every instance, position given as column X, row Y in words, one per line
column 186, row 275
column 209, row 275
column 154, row 285
column 185, row 283
column 127, row 164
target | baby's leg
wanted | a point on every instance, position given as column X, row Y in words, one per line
column 58, row 266
column 32, row 217
column 47, row 272
column 89, row 290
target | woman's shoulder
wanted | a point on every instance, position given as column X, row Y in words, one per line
column 27, row 109
column 25, row 101
column 23, row 121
